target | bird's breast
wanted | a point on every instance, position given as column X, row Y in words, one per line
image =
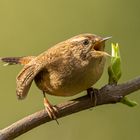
column 68, row 80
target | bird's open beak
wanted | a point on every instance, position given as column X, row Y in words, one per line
column 100, row 42
column 102, row 53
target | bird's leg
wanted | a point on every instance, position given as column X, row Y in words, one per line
column 93, row 92
column 51, row 110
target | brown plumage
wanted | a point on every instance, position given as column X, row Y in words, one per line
column 63, row 70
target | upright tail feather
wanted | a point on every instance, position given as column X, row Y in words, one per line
column 17, row 60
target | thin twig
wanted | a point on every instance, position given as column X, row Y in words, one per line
column 106, row 95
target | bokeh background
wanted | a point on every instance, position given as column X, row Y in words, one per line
column 29, row 27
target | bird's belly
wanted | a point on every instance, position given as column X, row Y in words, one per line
column 58, row 85
column 61, row 84
column 78, row 83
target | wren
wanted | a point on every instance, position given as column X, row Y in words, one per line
column 65, row 69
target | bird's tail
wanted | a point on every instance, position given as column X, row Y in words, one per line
column 16, row 60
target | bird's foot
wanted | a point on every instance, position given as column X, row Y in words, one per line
column 92, row 92
column 51, row 110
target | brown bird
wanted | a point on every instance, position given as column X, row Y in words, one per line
column 65, row 69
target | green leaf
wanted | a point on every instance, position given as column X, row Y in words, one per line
column 128, row 102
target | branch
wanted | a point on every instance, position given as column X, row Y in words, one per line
column 106, row 95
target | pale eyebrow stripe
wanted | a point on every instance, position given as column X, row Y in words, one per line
column 78, row 39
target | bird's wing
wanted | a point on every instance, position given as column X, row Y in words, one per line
column 27, row 74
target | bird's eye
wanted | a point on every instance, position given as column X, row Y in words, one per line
column 86, row 42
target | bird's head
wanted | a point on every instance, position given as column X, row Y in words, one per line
column 89, row 45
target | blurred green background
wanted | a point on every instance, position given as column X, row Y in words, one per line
column 29, row 27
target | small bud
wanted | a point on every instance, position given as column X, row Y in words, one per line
column 114, row 70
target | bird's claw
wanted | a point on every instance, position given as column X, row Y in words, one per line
column 93, row 92
column 51, row 110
